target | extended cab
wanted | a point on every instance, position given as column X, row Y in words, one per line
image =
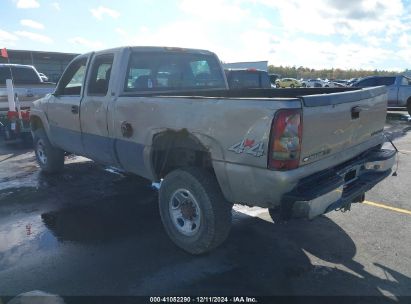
column 168, row 115
column 399, row 89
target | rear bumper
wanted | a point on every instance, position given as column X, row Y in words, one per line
column 338, row 187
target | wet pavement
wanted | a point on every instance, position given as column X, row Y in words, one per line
column 94, row 231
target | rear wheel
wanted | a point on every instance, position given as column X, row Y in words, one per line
column 50, row 158
column 409, row 106
column 193, row 210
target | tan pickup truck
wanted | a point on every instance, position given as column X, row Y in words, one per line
column 167, row 114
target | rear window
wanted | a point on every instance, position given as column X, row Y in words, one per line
column 162, row 71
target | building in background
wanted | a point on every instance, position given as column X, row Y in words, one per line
column 258, row 65
column 52, row 64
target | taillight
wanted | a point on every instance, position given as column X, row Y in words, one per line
column 25, row 115
column 285, row 140
column 11, row 115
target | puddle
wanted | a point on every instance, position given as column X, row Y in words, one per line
column 110, row 218
column 21, row 238
column 27, row 232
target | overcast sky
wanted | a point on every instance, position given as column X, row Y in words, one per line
column 367, row 34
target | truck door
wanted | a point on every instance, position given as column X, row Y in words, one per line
column 404, row 91
column 392, row 89
column 96, row 138
column 64, row 107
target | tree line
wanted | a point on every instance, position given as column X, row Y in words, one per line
column 303, row 72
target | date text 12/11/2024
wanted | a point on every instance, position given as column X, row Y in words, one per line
column 203, row 300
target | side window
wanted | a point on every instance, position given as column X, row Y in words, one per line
column 100, row 75
column 24, row 75
column 73, row 78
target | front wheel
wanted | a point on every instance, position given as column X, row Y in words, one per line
column 49, row 158
column 193, row 210
column 409, row 107
column 292, row 86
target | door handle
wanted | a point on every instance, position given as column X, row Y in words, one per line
column 74, row 109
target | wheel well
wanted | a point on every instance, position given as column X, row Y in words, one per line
column 35, row 123
column 177, row 149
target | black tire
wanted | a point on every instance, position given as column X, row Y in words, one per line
column 409, row 106
column 214, row 212
column 292, row 86
column 49, row 158
column 277, row 85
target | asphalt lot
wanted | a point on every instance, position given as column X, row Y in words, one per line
column 93, row 231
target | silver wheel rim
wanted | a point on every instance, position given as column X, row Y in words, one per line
column 185, row 212
column 41, row 154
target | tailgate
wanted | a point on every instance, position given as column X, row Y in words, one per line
column 336, row 122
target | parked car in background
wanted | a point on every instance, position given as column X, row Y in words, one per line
column 352, row 80
column 27, row 85
column 340, row 83
column 273, row 78
column 43, row 77
column 399, row 89
column 312, row 83
column 287, row 83
column 247, row 78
